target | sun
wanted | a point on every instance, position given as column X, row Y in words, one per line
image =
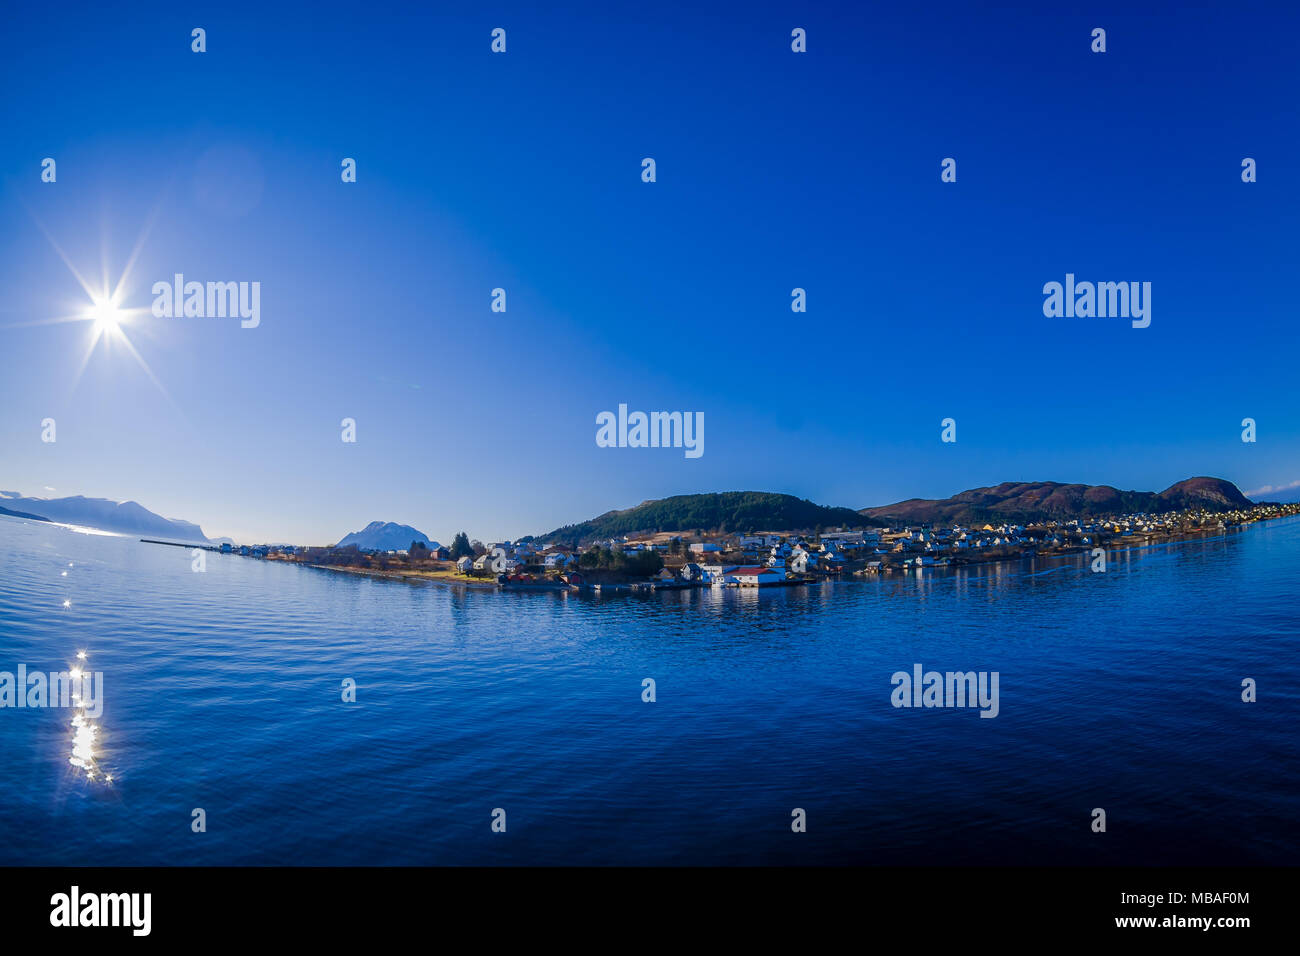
column 106, row 316
column 111, row 325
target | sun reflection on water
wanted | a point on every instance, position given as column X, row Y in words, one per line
column 85, row 733
column 83, row 744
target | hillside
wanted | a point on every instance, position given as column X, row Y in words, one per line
column 729, row 510
column 21, row 514
column 1023, row 502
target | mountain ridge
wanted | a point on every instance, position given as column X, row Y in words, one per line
column 104, row 514
column 1045, row 500
column 1021, row 502
column 734, row 510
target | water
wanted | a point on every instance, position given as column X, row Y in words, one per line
column 223, row 692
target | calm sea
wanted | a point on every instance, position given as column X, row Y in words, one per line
column 223, row 692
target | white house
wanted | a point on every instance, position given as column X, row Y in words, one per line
column 557, row 559
column 716, row 573
column 755, row 577
column 802, row 560
column 849, row 539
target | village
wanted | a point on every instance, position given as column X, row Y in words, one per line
column 675, row 560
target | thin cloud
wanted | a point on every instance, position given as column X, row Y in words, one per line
column 1270, row 489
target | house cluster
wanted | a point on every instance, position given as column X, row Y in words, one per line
column 511, row 557
column 776, row 557
column 435, row 552
column 748, row 560
column 258, row 550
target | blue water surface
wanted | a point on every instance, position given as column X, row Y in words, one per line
column 223, row 691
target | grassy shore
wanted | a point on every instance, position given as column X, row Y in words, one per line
column 454, row 578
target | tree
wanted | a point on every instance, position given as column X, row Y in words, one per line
column 643, row 563
column 417, row 546
column 639, row 564
column 460, row 547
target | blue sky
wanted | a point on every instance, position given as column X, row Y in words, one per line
column 522, row 171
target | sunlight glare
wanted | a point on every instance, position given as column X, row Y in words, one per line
column 106, row 316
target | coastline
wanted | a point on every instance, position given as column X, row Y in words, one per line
column 855, row 577
column 673, row 568
column 431, row 576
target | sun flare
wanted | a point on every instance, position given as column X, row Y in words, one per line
column 106, row 316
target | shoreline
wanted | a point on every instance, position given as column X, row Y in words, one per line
column 1115, row 546
column 431, row 576
column 899, row 561
column 852, row 577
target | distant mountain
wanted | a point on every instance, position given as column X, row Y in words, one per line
column 386, row 536
column 732, row 510
column 21, row 514
column 123, row 517
column 1023, row 502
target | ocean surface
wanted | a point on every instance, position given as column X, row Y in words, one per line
column 223, row 691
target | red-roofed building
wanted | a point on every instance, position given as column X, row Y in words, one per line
column 755, row 576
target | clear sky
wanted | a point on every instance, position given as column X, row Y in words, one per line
column 522, row 170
